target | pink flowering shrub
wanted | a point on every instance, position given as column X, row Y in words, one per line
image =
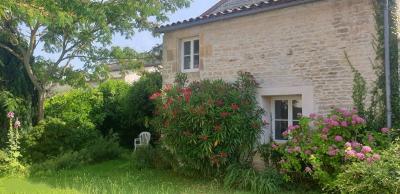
column 320, row 146
column 208, row 125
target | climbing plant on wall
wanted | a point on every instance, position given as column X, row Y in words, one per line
column 375, row 112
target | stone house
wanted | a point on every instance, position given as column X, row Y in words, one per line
column 294, row 48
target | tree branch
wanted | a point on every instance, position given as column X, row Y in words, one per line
column 12, row 51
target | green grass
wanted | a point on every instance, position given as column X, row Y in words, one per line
column 109, row 178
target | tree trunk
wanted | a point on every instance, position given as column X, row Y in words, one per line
column 41, row 98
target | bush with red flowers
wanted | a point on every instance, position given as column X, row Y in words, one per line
column 209, row 125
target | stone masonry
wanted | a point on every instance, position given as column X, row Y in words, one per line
column 294, row 47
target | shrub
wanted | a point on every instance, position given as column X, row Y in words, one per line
column 79, row 108
column 320, row 146
column 269, row 155
column 152, row 157
column 112, row 92
column 137, row 109
column 246, row 178
column 382, row 176
column 209, row 124
column 53, row 136
column 99, row 150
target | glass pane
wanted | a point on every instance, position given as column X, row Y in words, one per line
column 196, row 61
column 280, row 127
column 196, row 46
column 297, row 109
column 281, row 109
column 186, row 48
column 186, row 62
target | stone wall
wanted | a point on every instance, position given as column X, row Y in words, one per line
column 299, row 49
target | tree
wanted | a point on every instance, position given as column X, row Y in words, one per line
column 73, row 29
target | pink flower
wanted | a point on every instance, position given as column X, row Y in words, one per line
column 333, row 152
column 289, row 150
column 334, row 117
column 285, row 133
column 313, row 115
column 297, row 149
column 351, row 153
column 338, row 138
column 168, row 87
column 308, row 152
column 155, row 96
column 274, row 146
column 347, row 144
column 355, row 144
column 308, row 170
column 325, row 130
column 10, row 115
column 360, row 156
column 370, row 160
column 370, row 137
column 376, row 157
column 344, row 124
column 334, row 123
column 366, row 149
column 17, row 124
column 385, row 130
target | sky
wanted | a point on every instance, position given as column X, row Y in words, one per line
column 144, row 41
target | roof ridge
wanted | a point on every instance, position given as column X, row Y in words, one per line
column 262, row 5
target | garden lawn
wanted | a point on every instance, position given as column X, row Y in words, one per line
column 109, row 178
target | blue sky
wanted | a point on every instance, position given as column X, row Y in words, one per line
column 144, row 41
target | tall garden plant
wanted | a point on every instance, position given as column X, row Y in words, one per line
column 209, row 125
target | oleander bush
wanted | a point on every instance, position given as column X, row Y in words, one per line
column 208, row 125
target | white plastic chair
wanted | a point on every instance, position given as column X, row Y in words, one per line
column 143, row 139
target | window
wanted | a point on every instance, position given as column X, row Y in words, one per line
column 286, row 111
column 190, row 55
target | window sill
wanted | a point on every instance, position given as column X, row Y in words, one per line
column 190, row 71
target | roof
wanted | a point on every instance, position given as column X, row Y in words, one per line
column 213, row 15
column 223, row 5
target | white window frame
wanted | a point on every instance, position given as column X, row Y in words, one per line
column 192, row 69
column 290, row 100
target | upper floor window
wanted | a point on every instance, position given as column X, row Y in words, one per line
column 190, row 55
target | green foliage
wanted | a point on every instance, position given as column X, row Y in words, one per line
column 319, row 152
column 209, row 124
column 246, row 178
column 359, row 89
column 79, row 108
column 10, row 160
column 152, row 157
column 376, row 112
column 98, row 150
column 113, row 91
column 53, row 137
column 137, row 109
column 269, row 155
column 379, row 177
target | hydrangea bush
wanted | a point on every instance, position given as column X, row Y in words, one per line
column 208, row 125
column 320, row 146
